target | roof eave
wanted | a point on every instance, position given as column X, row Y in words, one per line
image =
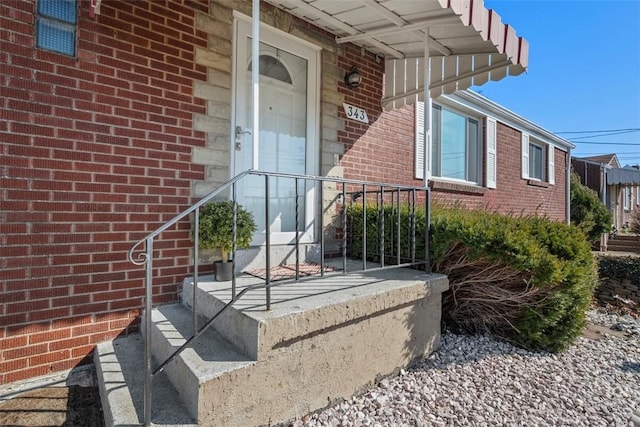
column 523, row 123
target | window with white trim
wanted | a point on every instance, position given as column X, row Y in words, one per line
column 626, row 198
column 56, row 26
column 455, row 150
column 538, row 160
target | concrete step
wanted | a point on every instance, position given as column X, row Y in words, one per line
column 120, row 371
column 206, row 359
column 626, row 237
column 624, row 243
column 616, row 247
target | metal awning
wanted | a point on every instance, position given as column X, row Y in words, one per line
column 464, row 43
column 628, row 176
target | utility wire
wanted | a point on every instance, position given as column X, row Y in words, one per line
column 628, row 153
column 601, row 131
column 605, row 134
column 626, row 144
column 606, row 142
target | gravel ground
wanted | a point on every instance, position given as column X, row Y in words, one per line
column 477, row 381
column 469, row 381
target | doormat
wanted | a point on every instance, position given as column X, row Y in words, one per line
column 283, row 272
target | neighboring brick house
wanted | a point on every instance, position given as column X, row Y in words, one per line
column 618, row 187
column 117, row 115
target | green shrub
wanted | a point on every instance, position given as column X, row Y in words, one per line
column 216, row 227
column 587, row 211
column 374, row 219
column 526, row 279
column 619, row 268
column 547, row 274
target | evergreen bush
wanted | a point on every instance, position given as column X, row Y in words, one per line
column 620, row 268
column 587, row 211
column 527, row 279
column 375, row 217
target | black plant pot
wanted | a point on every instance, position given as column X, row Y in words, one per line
column 224, row 271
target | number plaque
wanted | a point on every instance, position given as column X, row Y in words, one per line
column 356, row 113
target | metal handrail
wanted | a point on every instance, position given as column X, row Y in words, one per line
column 146, row 257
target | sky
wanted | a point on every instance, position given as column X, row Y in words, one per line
column 583, row 73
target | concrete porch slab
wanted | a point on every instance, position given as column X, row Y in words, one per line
column 244, row 323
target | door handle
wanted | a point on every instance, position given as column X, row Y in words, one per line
column 240, row 131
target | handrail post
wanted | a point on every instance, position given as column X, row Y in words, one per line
column 364, row 226
column 344, row 227
column 147, row 331
column 234, row 246
column 398, row 240
column 196, row 262
column 427, row 230
column 413, row 226
column 267, row 242
column 297, row 195
column 381, row 237
column 321, row 226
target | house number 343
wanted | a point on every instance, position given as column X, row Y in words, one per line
column 355, row 113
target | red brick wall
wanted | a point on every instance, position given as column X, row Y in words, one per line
column 383, row 150
column 95, row 153
column 516, row 195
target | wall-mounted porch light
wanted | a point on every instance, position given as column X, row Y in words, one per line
column 353, row 78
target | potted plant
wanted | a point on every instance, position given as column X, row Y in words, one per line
column 216, row 232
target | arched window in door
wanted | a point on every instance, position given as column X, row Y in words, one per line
column 271, row 67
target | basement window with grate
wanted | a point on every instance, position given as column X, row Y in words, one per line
column 56, row 26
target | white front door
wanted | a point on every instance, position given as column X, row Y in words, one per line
column 287, row 140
